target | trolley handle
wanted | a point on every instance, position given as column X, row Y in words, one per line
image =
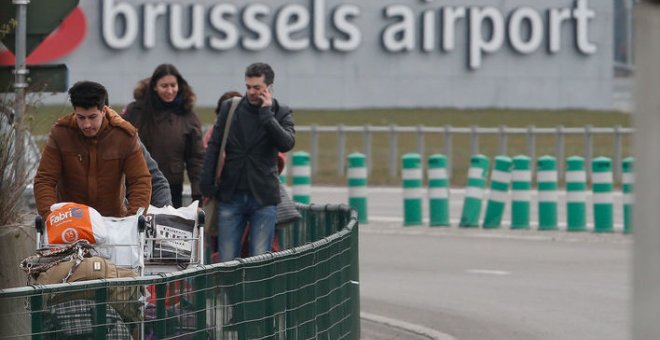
column 201, row 218
column 142, row 224
column 39, row 224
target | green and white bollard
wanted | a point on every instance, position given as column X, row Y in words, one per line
column 412, row 189
column 301, row 182
column 628, row 182
column 576, row 194
column 357, row 185
column 546, row 179
column 521, row 194
column 602, row 185
column 500, row 179
column 474, row 192
column 438, row 190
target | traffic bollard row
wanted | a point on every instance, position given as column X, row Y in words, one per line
column 514, row 173
column 521, row 192
column 546, row 181
column 576, row 194
column 628, row 181
column 412, row 189
column 602, row 185
column 438, row 190
column 474, row 193
column 357, row 185
column 499, row 192
column 301, row 179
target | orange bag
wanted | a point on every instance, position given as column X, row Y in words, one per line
column 69, row 223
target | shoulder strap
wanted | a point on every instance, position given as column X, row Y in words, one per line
column 223, row 144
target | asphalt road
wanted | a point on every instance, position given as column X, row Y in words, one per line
column 489, row 284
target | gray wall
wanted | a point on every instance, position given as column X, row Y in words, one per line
column 368, row 76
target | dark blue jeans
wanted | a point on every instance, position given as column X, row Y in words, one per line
column 233, row 217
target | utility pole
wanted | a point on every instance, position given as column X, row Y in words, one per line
column 646, row 250
column 20, row 83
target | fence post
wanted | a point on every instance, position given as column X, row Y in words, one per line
column 341, row 149
column 474, row 193
column 474, row 140
column 560, row 154
column 617, row 162
column 100, row 323
column 499, row 195
column 628, row 183
column 314, row 147
column 546, row 182
column 367, row 146
column 36, row 313
column 601, row 185
column 420, row 140
column 503, row 140
column 438, row 190
column 393, row 151
column 521, row 185
column 301, row 180
column 201, row 286
column 531, row 145
column 412, row 189
column 588, row 148
column 576, row 194
column 448, row 150
column 357, row 185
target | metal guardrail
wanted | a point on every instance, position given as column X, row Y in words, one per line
column 308, row 291
column 474, row 133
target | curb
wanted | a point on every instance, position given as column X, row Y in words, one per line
column 408, row 327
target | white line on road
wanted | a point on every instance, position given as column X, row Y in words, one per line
column 488, row 272
column 406, row 326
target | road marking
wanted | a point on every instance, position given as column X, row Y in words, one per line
column 488, row 272
column 406, row 326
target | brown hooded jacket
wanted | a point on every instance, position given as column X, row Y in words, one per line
column 91, row 171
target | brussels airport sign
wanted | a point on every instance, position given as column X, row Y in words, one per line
column 295, row 27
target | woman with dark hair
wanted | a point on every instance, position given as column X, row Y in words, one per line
column 223, row 97
column 169, row 128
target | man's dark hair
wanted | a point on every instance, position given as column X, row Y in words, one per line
column 261, row 69
column 87, row 94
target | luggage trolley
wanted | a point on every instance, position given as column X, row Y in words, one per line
column 173, row 242
column 161, row 243
column 73, row 314
column 153, row 247
column 128, row 252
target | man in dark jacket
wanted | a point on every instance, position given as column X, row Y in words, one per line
column 248, row 186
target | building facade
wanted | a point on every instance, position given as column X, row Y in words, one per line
column 345, row 54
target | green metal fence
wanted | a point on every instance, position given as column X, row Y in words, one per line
column 308, row 291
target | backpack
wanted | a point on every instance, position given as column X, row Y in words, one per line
column 125, row 299
column 74, row 262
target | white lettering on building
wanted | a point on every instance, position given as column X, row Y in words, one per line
column 298, row 27
column 487, row 29
column 516, row 38
column 478, row 43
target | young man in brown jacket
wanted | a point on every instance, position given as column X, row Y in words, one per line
column 89, row 156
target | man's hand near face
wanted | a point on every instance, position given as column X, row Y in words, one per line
column 266, row 97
